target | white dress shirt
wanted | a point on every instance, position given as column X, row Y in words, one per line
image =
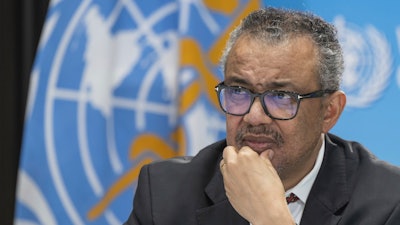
column 303, row 188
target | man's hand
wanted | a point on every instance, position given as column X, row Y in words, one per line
column 253, row 186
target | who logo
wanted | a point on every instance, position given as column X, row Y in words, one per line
column 116, row 85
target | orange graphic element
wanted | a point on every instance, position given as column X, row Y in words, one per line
column 191, row 55
column 189, row 96
column 116, row 188
column 142, row 144
column 215, row 52
column 226, row 7
column 146, row 142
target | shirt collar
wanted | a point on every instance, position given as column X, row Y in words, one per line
column 303, row 188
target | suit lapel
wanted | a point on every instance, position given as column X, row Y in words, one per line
column 220, row 211
column 330, row 192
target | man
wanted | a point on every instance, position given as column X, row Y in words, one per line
column 282, row 72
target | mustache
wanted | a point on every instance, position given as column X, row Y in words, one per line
column 259, row 131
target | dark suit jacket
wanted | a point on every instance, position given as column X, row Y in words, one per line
column 352, row 187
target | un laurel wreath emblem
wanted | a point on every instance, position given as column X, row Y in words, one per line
column 368, row 62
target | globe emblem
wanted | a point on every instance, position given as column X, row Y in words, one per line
column 368, row 62
column 110, row 94
column 96, row 84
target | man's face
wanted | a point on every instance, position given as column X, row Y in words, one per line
column 289, row 66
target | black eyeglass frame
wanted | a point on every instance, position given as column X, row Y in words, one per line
column 298, row 97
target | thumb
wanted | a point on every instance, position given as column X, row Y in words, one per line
column 267, row 154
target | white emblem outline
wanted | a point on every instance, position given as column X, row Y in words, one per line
column 380, row 64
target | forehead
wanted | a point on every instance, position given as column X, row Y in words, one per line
column 291, row 63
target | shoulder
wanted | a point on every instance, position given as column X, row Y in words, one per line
column 187, row 167
column 208, row 154
column 364, row 163
column 177, row 182
column 365, row 182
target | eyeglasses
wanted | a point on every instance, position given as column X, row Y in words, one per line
column 280, row 105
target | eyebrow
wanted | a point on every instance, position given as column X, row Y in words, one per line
column 236, row 80
column 272, row 85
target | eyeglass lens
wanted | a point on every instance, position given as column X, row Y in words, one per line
column 237, row 101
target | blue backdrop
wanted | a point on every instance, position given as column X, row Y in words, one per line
column 119, row 83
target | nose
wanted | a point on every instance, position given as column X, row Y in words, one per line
column 257, row 115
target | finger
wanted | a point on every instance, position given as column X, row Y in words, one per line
column 221, row 163
column 247, row 151
column 267, row 157
column 267, row 154
column 229, row 154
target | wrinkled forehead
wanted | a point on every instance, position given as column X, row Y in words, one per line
column 263, row 66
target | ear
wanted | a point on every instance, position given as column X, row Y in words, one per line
column 334, row 105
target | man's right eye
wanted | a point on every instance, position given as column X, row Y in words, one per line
column 238, row 94
column 281, row 95
column 238, row 91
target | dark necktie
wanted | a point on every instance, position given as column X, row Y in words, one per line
column 291, row 198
